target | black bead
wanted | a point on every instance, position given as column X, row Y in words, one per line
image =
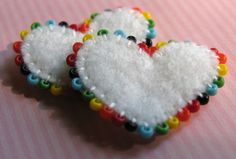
column 63, row 24
column 148, row 42
column 130, row 126
column 132, row 38
column 73, row 73
column 24, row 69
column 204, row 99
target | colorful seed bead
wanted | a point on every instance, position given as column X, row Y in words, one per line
column 32, row 79
column 94, row 15
column 215, row 50
column 88, row 95
column 102, row 32
column 63, row 24
column 161, row 44
column 83, row 28
column 194, row 106
column 212, row 90
column 138, row 9
column 17, row 46
column 152, row 33
column 18, row 60
column 44, row 84
column 23, row 34
column 87, row 37
column 147, row 15
column 56, row 89
column 106, row 113
column 95, row 104
column 77, row 46
column 24, row 69
column 118, row 120
column 73, row 73
column 204, row 99
column 87, row 21
column 152, row 50
column 151, row 23
column 219, row 81
column 145, row 132
column 76, row 84
column 70, row 60
column 143, row 46
column 162, row 129
column 132, row 38
column 184, row 115
column 74, row 27
column 173, row 122
column 222, row 58
column 120, row 33
column 35, row 25
column 50, row 22
column 148, row 42
column 222, row 69
column 130, row 126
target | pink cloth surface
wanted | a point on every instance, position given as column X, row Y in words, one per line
column 37, row 125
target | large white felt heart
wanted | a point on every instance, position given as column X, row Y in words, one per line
column 146, row 89
column 126, row 19
column 45, row 49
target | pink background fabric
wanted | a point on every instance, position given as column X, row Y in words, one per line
column 36, row 125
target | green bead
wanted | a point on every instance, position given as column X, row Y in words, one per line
column 44, row 84
column 162, row 129
column 219, row 81
column 35, row 25
column 88, row 95
column 151, row 23
column 94, row 15
column 102, row 32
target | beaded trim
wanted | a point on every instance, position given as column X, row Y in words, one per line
column 108, row 113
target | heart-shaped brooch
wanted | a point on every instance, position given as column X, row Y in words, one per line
column 148, row 89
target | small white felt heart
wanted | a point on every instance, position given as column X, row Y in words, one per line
column 147, row 89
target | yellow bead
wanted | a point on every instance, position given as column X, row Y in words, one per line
column 87, row 21
column 87, row 37
column 222, row 69
column 95, row 104
column 161, row 44
column 23, row 34
column 55, row 89
column 147, row 15
column 173, row 122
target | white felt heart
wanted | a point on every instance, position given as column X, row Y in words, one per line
column 126, row 19
column 45, row 49
column 146, row 89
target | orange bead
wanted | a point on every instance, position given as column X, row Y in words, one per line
column 184, row 115
column 106, row 113
column 137, row 9
column 222, row 58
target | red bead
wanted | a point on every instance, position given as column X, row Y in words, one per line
column 77, row 46
column 215, row 50
column 117, row 119
column 152, row 50
column 18, row 60
column 194, row 106
column 83, row 28
column 17, row 46
column 106, row 113
column 74, row 27
column 143, row 46
column 70, row 60
column 184, row 115
column 222, row 58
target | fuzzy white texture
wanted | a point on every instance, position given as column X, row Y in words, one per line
column 45, row 50
column 130, row 21
column 146, row 89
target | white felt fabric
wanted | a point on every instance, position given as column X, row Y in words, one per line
column 130, row 21
column 147, row 89
column 45, row 50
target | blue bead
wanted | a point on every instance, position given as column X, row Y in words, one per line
column 152, row 33
column 51, row 22
column 212, row 90
column 77, row 84
column 120, row 33
column 145, row 132
column 33, row 80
